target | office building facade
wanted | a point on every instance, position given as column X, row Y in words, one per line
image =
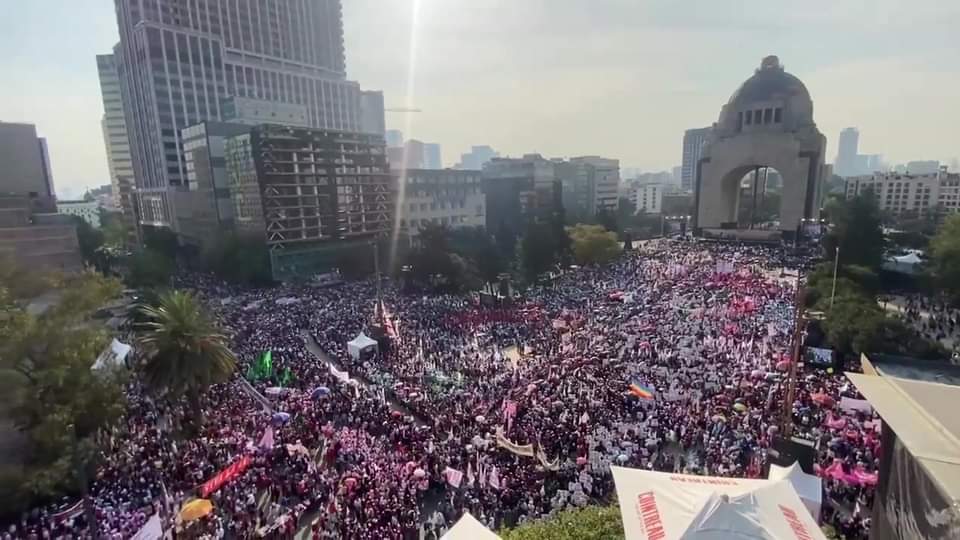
column 447, row 197
column 477, row 157
column 310, row 193
column 648, row 197
column 178, row 61
column 693, row 143
column 432, row 156
column 520, row 190
column 916, row 194
column 115, row 137
column 590, row 185
column 372, row 115
column 25, row 166
column 88, row 211
column 205, row 208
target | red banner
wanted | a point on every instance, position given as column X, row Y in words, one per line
column 225, row 476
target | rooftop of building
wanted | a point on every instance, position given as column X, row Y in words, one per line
column 917, row 400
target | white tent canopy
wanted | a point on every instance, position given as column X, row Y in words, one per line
column 809, row 487
column 359, row 344
column 689, row 507
column 114, row 355
column 468, row 528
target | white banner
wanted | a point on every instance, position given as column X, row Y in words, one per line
column 151, row 530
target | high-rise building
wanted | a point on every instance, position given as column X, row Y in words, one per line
column 590, row 185
column 477, row 158
column 446, row 197
column 923, row 167
column 675, row 174
column 413, row 154
column 115, row 135
column 205, row 209
column 898, row 193
column 32, row 235
column 520, row 190
column 432, row 157
column 693, row 142
column 394, row 138
column 178, row 61
column 848, row 162
column 310, row 193
column 372, row 116
column 25, row 166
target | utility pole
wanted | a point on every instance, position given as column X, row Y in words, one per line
column 836, row 265
column 786, row 421
column 376, row 271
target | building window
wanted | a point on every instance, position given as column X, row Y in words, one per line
column 749, row 117
column 777, row 115
column 767, row 116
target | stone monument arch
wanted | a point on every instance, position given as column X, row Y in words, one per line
column 768, row 122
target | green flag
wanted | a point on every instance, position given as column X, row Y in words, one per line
column 287, row 377
column 266, row 364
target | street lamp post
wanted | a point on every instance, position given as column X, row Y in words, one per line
column 836, row 265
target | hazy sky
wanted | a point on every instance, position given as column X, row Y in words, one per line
column 619, row 78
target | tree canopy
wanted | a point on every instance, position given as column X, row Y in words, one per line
column 590, row 523
column 856, row 230
column 592, row 244
column 57, row 406
column 945, row 257
column 185, row 352
column 238, row 259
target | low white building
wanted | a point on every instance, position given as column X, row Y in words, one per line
column 648, row 197
column 899, row 193
column 448, row 197
column 88, row 211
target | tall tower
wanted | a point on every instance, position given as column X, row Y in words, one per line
column 693, row 143
column 115, row 134
column 181, row 63
column 847, row 147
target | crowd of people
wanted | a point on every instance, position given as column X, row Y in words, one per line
column 933, row 318
column 511, row 413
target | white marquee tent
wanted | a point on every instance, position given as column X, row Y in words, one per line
column 688, row 507
column 359, row 344
column 809, row 487
column 468, row 528
column 114, row 355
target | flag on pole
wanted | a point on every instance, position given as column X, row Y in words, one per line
column 266, row 442
column 641, row 391
column 494, row 479
column 453, row 476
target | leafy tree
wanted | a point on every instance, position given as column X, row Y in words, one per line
column 856, row 230
column 537, row 250
column 945, row 257
column 592, row 244
column 238, row 259
column 481, row 252
column 185, row 353
column 114, row 229
column 149, row 268
column 89, row 239
column 58, row 406
column 590, row 523
column 608, row 220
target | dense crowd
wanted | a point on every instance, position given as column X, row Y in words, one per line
column 511, row 413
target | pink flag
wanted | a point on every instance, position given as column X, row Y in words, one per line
column 266, row 442
column 494, row 478
column 509, row 412
column 454, row 477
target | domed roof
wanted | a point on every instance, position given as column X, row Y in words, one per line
column 768, row 82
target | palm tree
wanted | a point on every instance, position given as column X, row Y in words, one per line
column 184, row 351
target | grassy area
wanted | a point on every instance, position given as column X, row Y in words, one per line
column 590, row 523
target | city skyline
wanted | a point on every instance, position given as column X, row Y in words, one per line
column 627, row 88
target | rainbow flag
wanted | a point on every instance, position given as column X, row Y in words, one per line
column 641, row 391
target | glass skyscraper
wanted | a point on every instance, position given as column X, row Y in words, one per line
column 179, row 61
